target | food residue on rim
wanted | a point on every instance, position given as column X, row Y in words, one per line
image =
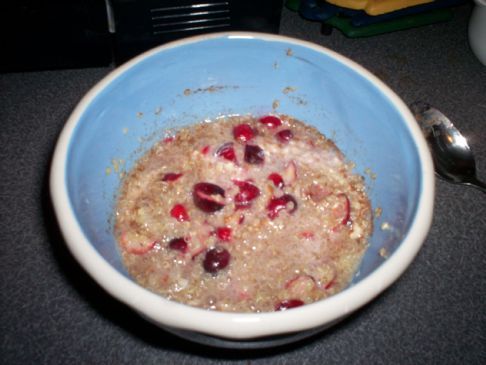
column 288, row 89
column 370, row 173
column 117, row 167
column 209, row 89
column 385, row 226
column 383, row 252
column 378, row 212
column 297, row 100
column 117, row 164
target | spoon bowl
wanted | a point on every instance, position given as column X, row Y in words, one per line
column 453, row 158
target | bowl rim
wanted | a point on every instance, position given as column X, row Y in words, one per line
column 239, row 326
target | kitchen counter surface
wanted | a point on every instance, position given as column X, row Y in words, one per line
column 51, row 312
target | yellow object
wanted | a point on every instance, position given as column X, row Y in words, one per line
column 378, row 7
column 350, row 4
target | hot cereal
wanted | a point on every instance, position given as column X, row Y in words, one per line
column 244, row 214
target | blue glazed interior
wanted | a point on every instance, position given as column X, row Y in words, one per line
column 241, row 76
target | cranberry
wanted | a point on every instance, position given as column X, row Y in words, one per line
column 241, row 220
column 227, row 152
column 342, row 209
column 142, row 248
column 133, row 244
column 205, row 150
column 277, row 204
column 271, row 121
column 300, row 286
column 179, row 212
column 216, row 259
column 308, row 235
column 289, row 174
column 243, row 132
column 284, row 135
column 277, row 180
column 196, row 252
column 248, row 192
column 224, row 233
column 168, row 139
column 288, row 304
column 254, row 154
column 318, row 193
column 330, row 284
column 171, row 176
column 208, row 197
column 179, row 244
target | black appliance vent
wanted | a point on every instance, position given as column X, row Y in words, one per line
column 192, row 17
column 142, row 24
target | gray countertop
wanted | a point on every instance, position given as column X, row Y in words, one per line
column 51, row 312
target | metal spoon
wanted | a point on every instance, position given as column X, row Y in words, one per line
column 453, row 159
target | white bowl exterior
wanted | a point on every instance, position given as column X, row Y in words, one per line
column 238, row 325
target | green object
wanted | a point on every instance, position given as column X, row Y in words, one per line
column 292, row 5
column 405, row 22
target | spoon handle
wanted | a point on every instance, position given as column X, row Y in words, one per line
column 476, row 183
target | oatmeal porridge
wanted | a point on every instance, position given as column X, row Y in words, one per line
column 244, row 214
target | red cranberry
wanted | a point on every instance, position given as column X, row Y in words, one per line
column 224, row 233
column 179, row 212
column 205, row 150
column 330, row 284
column 227, row 152
column 288, row 304
column 277, row 180
column 277, row 204
column 284, row 135
column 308, row 235
column 342, row 209
column 248, row 192
column 208, row 197
column 216, row 259
column 243, row 132
column 254, row 154
column 271, row 121
column 241, row 220
column 179, row 244
column 171, row 176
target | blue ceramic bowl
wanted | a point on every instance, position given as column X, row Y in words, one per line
column 239, row 73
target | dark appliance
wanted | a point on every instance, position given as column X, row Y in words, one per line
column 55, row 34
